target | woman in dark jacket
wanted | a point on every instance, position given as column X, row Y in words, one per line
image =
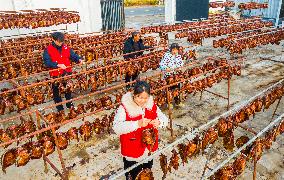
column 133, row 44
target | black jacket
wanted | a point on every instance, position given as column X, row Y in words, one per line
column 50, row 64
column 129, row 47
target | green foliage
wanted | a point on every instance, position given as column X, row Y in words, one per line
column 140, row 2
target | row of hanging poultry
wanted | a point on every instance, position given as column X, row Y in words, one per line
column 160, row 99
column 242, row 6
column 23, row 154
column 24, row 64
column 197, row 35
column 221, row 18
column 89, row 81
column 236, row 44
column 45, row 143
column 215, row 72
column 35, row 19
column 225, row 129
column 28, row 50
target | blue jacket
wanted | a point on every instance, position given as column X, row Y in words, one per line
column 129, row 47
column 50, row 64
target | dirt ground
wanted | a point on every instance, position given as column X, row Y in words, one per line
column 100, row 157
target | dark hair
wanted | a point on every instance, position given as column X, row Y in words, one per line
column 58, row 36
column 174, row 46
column 140, row 87
column 134, row 33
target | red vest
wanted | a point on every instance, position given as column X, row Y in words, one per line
column 63, row 58
column 131, row 143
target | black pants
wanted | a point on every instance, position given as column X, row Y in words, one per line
column 134, row 172
column 130, row 78
column 177, row 98
column 57, row 97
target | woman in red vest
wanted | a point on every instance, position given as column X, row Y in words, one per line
column 57, row 57
column 136, row 113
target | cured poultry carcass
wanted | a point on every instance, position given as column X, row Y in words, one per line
column 18, row 101
column 210, row 136
column 239, row 165
column 281, row 128
column 270, row 137
column 30, row 98
column 62, row 139
column 182, row 153
column 90, row 106
column 35, row 149
column 145, row 174
column 241, row 116
column 98, row 104
column 28, row 127
column 192, row 147
column 118, row 97
column 174, row 161
column 164, row 165
column 149, row 138
column 50, row 118
column 86, row 130
column 228, row 140
column 241, row 141
column 97, row 126
column 48, row 145
column 72, row 133
column 226, row 173
column 5, row 137
column 2, row 106
column 14, row 131
column 256, row 150
column 222, row 127
column 8, row 159
column 80, row 109
column 105, row 123
column 72, row 113
column 106, row 101
column 110, row 120
column 60, row 117
column 23, row 156
column 258, row 104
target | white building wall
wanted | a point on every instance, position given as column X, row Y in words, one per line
column 89, row 11
column 170, row 11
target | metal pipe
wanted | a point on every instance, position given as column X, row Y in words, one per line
column 242, row 126
column 244, row 146
column 59, row 153
column 254, row 167
column 73, row 75
column 276, row 108
column 192, row 134
column 53, row 167
column 229, row 92
column 55, row 126
column 77, row 65
column 87, row 114
column 260, row 34
column 215, row 94
column 170, row 112
column 39, row 52
column 225, row 26
column 111, row 88
column 75, row 34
